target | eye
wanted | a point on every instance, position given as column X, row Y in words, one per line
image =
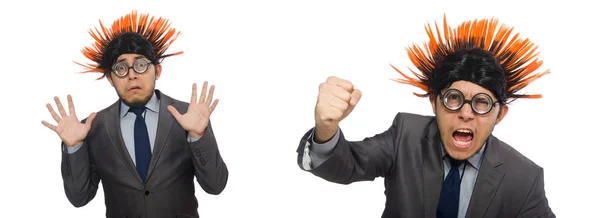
column 120, row 67
column 453, row 96
column 453, row 99
column 482, row 102
column 140, row 65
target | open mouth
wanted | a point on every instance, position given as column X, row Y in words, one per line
column 462, row 138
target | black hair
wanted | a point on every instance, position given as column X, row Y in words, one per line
column 127, row 43
column 479, row 51
column 472, row 65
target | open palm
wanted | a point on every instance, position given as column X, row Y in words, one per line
column 70, row 130
column 196, row 118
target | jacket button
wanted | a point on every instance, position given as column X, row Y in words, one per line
column 147, row 192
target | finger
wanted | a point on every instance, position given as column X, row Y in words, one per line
column 330, row 101
column 345, row 84
column 355, row 97
column 340, row 93
column 210, row 94
column 203, row 93
column 71, row 106
column 61, row 109
column 327, row 113
column 53, row 113
column 88, row 121
column 333, row 80
column 50, row 126
column 194, row 99
column 214, row 105
column 336, row 103
column 175, row 113
column 334, row 90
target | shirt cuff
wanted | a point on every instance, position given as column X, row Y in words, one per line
column 72, row 149
column 325, row 148
column 315, row 153
column 191, row 139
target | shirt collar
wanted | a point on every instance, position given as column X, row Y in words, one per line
column 474, row 160
column 153, row 105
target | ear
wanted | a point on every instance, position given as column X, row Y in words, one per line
column 432, row 101
column 158, row 70
column 503, row 112
column 110, row 80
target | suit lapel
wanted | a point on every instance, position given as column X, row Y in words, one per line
column 165, row 122
column 113, row 128
column 488, row 179
column 433, row 173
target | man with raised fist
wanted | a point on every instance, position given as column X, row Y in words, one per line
column 448, row 165
column 143, row 150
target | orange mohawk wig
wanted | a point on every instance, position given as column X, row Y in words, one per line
column 516, row 56
column 156, row 31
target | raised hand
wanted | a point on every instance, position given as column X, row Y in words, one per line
column 195, row 120
column 337, row 98
column 70, row 130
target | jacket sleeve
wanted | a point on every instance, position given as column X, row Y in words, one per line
column 352, row 161
column 211, row 171
column 79, row 174
column 536, row 204
column 80, row 177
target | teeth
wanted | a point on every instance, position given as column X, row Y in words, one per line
column 462, row 143
column 464, row 131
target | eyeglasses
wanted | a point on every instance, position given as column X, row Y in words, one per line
column 481, row 103
column 121, row 69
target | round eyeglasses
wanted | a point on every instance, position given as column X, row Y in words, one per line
column 481, row 103
column 140, row 66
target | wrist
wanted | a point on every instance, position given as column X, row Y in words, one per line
column 72, row 144
column 324, row 133
column 195, row 135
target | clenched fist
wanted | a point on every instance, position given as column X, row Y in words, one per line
column 337, row 98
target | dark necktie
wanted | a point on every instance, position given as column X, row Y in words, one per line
column 142, row 143
column 450, row 195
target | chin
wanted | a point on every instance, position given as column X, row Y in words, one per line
column 459, row 155
column 455, row 154
column 136, row 101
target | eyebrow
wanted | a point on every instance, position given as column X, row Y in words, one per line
column 136, row 58
column 473, row 95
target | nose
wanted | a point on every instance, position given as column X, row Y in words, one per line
column 131, row 75
column 466, row 113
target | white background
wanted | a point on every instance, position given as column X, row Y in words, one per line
column 267, row 59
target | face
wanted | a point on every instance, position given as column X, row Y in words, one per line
column 463, row 131
column 134, row 88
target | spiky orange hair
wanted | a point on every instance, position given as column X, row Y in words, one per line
column 517, row 56
column 156, row 31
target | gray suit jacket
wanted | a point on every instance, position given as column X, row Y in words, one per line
column 408, row 156
column 169, row 191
